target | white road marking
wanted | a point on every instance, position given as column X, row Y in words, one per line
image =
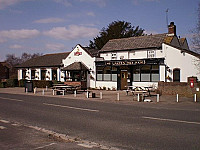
column 4, row 121
column 45, row 146
column 16, row 124
column 2, row 127
column 85, row 145
column 12, row 99
column 77, row 108
column 171, row 120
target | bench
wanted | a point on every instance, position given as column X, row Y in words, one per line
column 58, row 90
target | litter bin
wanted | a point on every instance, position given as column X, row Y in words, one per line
column 29, row 86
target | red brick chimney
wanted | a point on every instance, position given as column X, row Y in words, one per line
column 172, row 29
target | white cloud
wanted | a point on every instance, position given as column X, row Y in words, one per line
column 49, row 20
column 72, row 32
column 6, row 3
column 16, row 46
column 18, row 34
column 91, row 14
column 55, row 46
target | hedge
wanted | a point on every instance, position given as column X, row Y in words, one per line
column 42, row 83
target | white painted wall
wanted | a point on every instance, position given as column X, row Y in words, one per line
column 84, row 58
column 138, row 54
column 146, row 84
column 175, row 59
column 107, row 84
column 162, row 72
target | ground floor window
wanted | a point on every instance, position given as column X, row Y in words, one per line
column 76, row 76
column 107, row 73
column 43, row 74
column 146, row 73
column 23, row 74
column 32, row 73
column 54, row 74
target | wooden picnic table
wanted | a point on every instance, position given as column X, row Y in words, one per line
column 63, row 88
column 143, row 90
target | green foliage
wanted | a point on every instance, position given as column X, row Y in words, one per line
column 2, row 84
column 11, row 83
column 42, row 83
column 56, row 82
column 22, row 82
column 115, row 30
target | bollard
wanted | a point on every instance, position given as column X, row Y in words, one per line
column 138, row 97
column 75, row 93
column 63, row 93
column 195, row 97
column 43, row 92
column 158, row 98
column 118, row 96
column 101, row 95
column 34, row 90
column 53, row 92
column 46, row 88
column 87, row 94
column 177, row 100
column 26, row 90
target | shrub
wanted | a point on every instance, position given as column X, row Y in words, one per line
column 2, row 84
column 42, row 83
column 22, row 82
column 12, row 83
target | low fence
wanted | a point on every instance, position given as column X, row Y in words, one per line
column 181, row 88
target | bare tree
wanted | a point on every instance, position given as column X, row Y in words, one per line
column 196, row 34
column 196, row 39
column 13, row 61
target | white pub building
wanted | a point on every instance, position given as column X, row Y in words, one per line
column 141, row 61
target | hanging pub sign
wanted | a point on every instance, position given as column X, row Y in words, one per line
column 119, row 63
column 77, row 53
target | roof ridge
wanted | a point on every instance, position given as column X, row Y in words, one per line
column 138, row 36
column 56, row 53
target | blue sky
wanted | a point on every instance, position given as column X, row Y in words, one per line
column 52, row 26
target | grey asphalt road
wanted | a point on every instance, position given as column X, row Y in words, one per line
column 114, row 125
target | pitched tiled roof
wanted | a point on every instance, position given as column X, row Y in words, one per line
column 141, row 42
column 76, row 66
column 92, row 52
column 48, row 60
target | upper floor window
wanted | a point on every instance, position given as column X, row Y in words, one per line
column 113, row 55
column 151, row 54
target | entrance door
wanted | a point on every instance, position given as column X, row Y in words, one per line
column 123, row 80
column 176, row 75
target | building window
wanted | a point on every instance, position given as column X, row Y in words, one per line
column 33, row 74
column 23, row 74
column 146, row 73
column 136, row 73
column 107, row 73
column 43, row 74
column 113, row 55
column 176, row 75
column 155, row 76
column 54, row 74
